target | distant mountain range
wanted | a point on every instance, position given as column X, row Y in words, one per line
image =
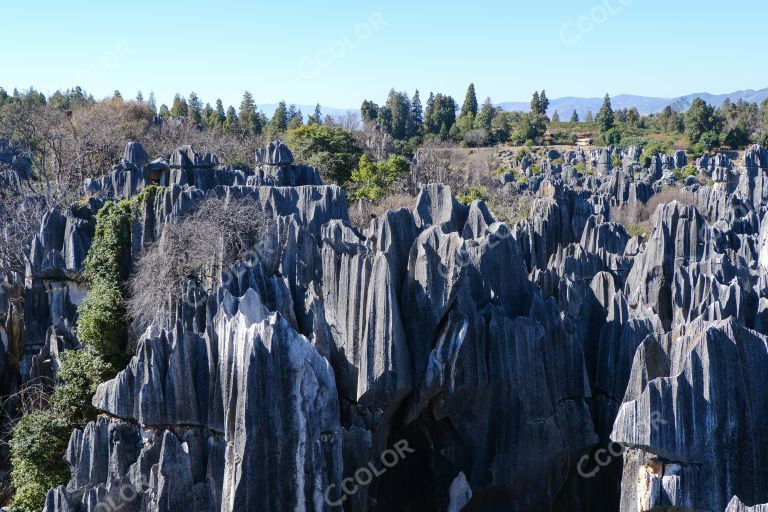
column 645, row 105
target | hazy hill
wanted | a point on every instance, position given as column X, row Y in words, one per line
column 645, row 104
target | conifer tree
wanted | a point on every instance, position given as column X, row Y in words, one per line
column 605, row 118
column 195, row 107
column 179, row 108
column 470, row 102
column 152, row 103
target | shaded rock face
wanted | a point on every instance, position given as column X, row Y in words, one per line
column 691, row 423
column 495, row 365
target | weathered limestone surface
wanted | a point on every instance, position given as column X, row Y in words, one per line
column 507, row 357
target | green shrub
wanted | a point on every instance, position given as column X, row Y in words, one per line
column 473, row 194
column 696, row 151
column 616, row 162
column 334, row 151
column 636, row 229
column 374, row 179
column 612, row 137
column 101, row 317
column 238, row 162
column 710, row 140
column 653, row 149
column 80, row 374
column 110, row 251
column 564, row 138
column 522, row 179
column 39, row 440
column 536, row 169
column 521, row 153
column 558, row 161
column 688, row 170
column 581, row 167
column 38, row 444
column 633, row 140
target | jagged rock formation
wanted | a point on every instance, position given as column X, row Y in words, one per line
column 504, row 360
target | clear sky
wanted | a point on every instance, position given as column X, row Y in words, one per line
column 338, row 53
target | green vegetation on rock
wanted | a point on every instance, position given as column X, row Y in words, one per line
column 373, row 180
column 40, row 438
column 473, row 194
column 332, row 150
column 38, row 444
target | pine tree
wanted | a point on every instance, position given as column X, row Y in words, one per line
column 486, row 115
column 195, row 107
column 417, row 115
column 444, row 115
column 316, row 117
column 179, row 107
column 400, row 109
column 152, row 103
column 535, row 103
column 470, row 102
column 220, row 114
column 246, row 116
column 231, row 121
column 575, row 117
column 555, row 117
column 633, row 116
column 140, row 97
column 117, row 95
column 209, row 117
column 281, row 117
column 295, row 117
column 429, row 114
column 605, row 118
column 279, row 122
column 589, row 118
column 164, row 112
column 543, row 102
column 369, row 111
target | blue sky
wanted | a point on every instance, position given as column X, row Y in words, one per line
column 338, row 53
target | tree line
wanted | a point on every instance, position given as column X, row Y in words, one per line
column 734, row 124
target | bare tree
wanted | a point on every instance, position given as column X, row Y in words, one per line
column 438, row 162
column 232, row 148
column 20, row 218
column 197, row 246
column 350, row 121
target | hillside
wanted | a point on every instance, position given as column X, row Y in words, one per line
column 645, row 105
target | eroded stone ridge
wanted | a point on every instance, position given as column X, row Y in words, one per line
column 509, row 358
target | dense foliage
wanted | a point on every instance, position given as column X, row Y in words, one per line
column 333, row 150
column 37, row 453
column 373, row 180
